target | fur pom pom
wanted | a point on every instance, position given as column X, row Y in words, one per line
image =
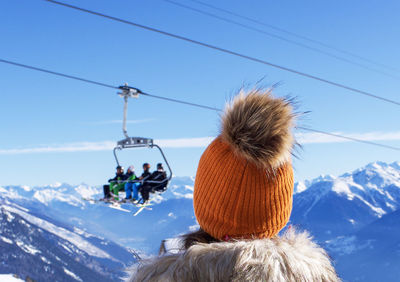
column 258, row 127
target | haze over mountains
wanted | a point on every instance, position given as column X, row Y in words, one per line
column 354, row 216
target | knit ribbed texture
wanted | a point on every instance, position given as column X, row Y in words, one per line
column 233, row 197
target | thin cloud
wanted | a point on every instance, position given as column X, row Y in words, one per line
column 63, row 148
column 106, row 146
column 302, row 138
column 184, row 142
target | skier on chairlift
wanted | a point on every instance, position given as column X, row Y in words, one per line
column 131, row 185
column 146, row 172
column 159, row 175
column 115, row 184
column 157, row 181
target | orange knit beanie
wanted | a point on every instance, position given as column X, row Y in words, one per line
column 244, row 181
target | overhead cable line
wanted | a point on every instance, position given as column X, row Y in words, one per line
column 57, row 73
column 182, row 102
column 348, row 138
column 274, row 27
column 227, row 51
column 101, row 84
column 280, row 38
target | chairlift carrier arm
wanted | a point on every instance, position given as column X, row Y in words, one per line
column 127, row 92
column 134, row 142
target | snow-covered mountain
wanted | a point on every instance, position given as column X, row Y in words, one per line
column 41, row 249
column 344, row 214
column 356, row 217
column 51, row 231
column 333, row 206
column 171, row 215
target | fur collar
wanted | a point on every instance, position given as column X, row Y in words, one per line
column 292, row 257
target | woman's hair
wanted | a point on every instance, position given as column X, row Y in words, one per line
column 199, row 236
column 190, row 239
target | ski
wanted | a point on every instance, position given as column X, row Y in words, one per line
column 92, row 200
column 142, row 207
column 118, row 207
column 110, row 203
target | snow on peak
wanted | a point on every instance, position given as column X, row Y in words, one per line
column 378, row 174
column 325, row 177
column 86, row 191
column 377, row 167
column 26, row 188
column 49, row 195
column 341, row 187
column 376, row 187
column 9, row 192
column 299, row 187
column 55, row 185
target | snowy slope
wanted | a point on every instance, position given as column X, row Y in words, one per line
column 9, row 278
column 371, row 254
column 34, row 247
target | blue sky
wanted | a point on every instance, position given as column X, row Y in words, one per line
column 55, row 129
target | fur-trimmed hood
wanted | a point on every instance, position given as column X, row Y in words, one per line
column 292, row 257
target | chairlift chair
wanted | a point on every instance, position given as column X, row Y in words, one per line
column 137, row 142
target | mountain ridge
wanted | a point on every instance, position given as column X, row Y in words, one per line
column 354, row 199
